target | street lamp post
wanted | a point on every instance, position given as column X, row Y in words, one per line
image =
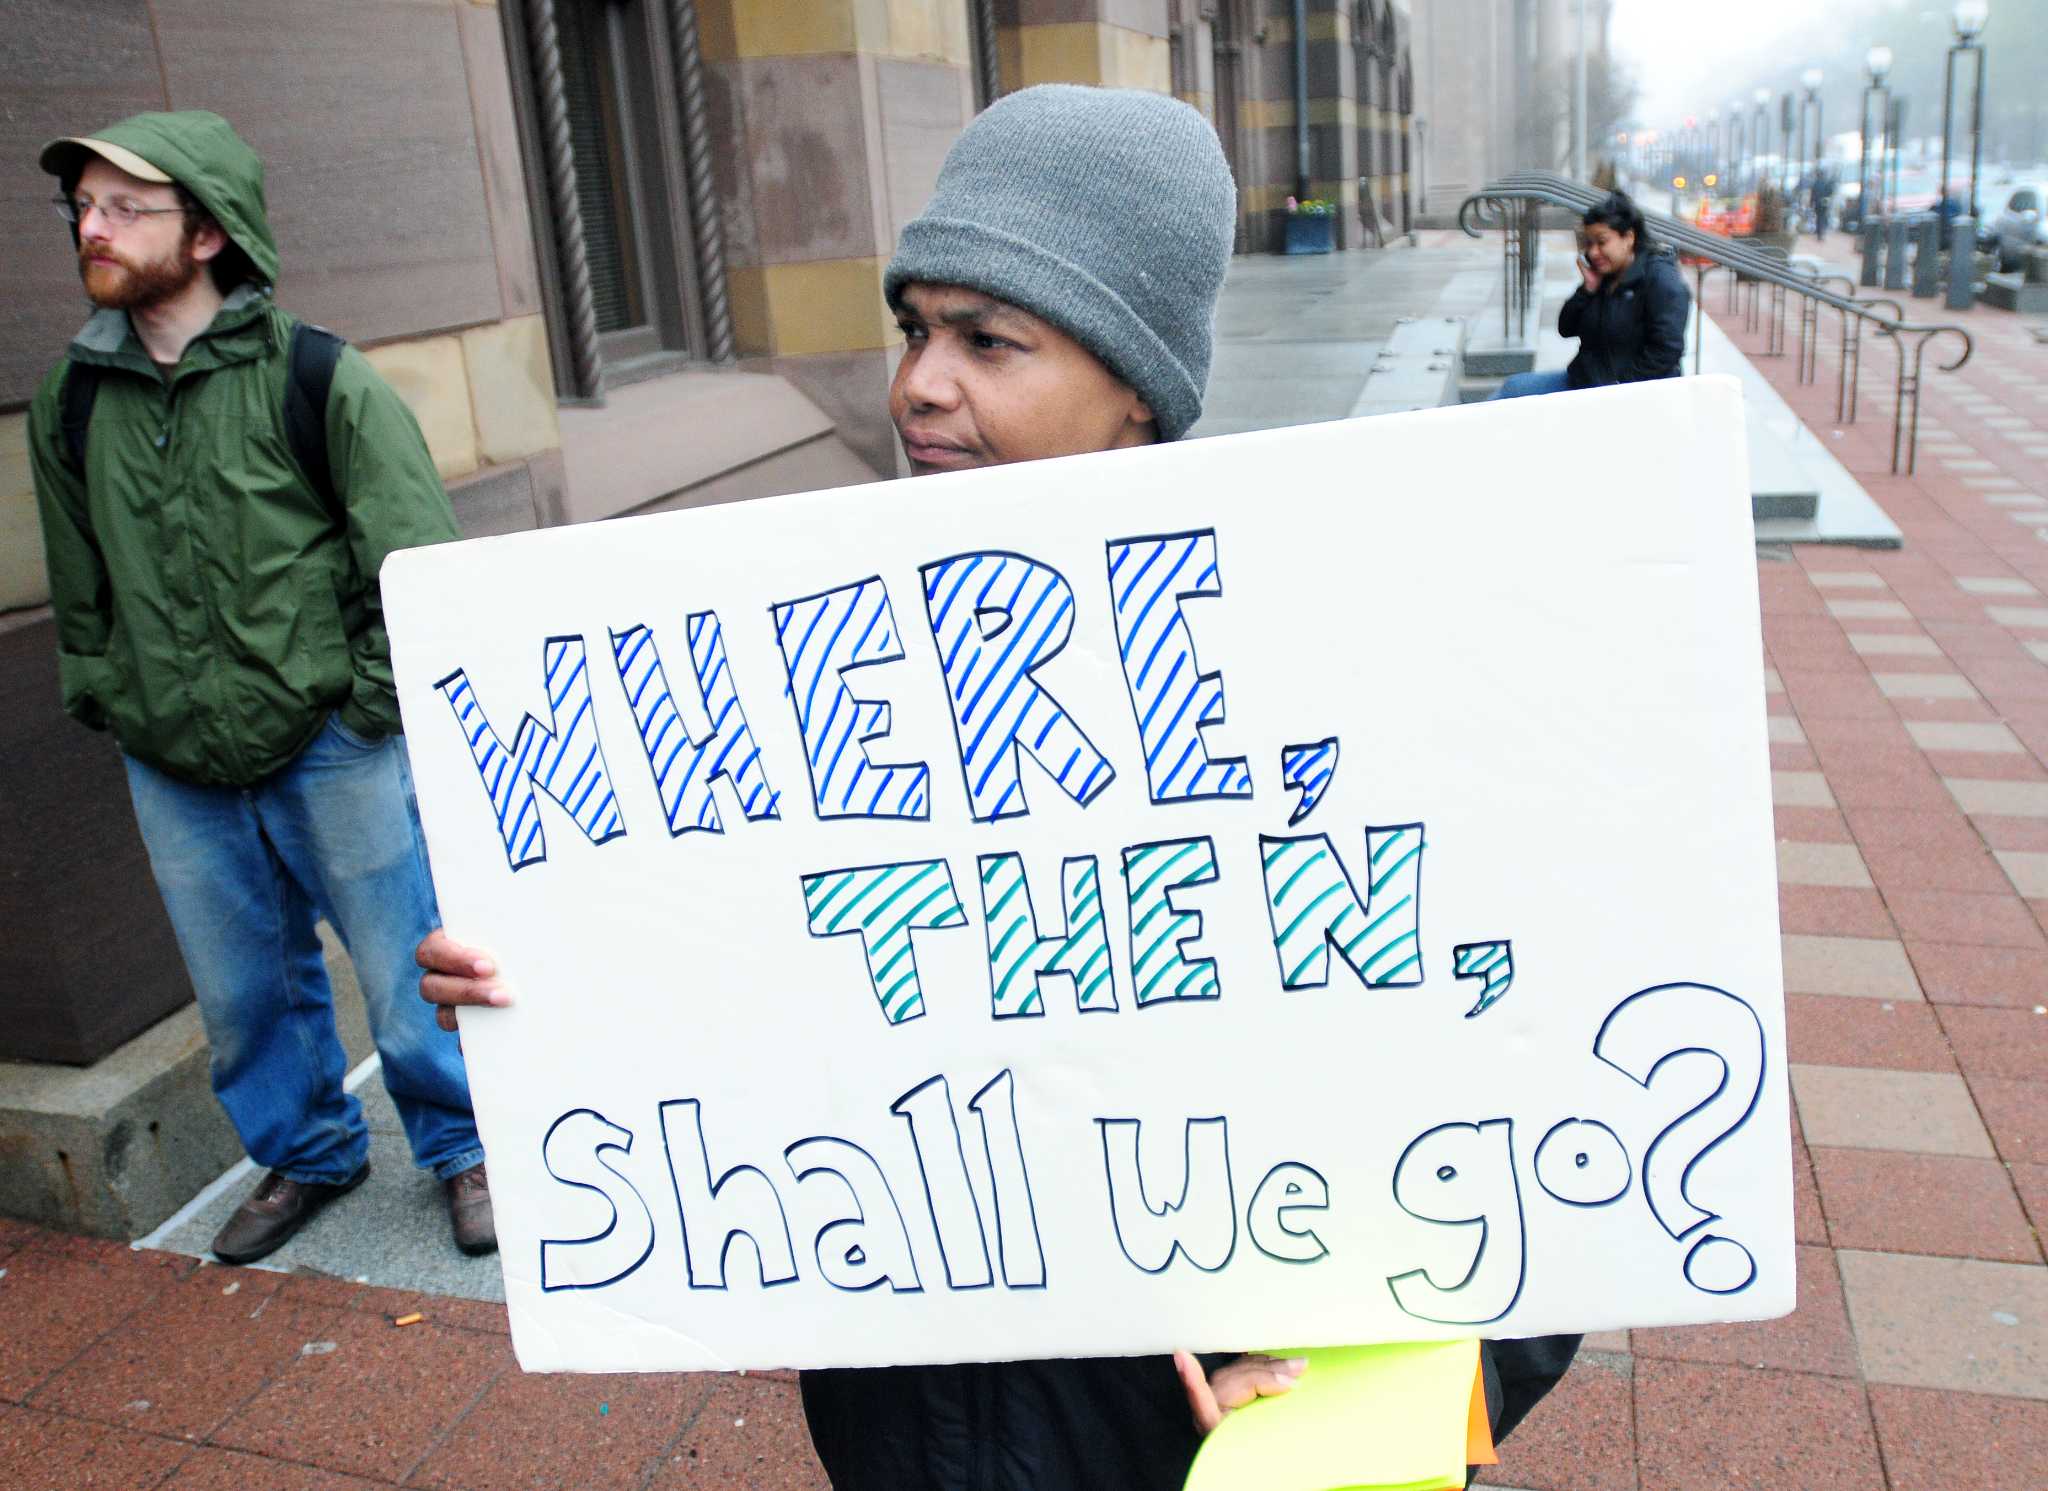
column 1712, row 165
column 1810, row 80
column 1579, row 124
column 1970, row 16
column 1895, row 142
column 1879, row 65
column 1786, row 179
column 1760, row 134
column 1736, row 134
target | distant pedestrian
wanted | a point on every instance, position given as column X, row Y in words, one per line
column 1946, row 210
column 213, row 567
column 1822, row 200
column 1629, row 313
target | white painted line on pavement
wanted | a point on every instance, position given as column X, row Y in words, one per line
column 243, row 1168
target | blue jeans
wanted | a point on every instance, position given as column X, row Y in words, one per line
column 1528, row 385
column 245, row 872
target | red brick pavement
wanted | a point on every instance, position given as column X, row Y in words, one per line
column 1909, row 718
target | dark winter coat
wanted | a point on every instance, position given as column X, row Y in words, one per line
column 1101, row 1424
column 1632, row 329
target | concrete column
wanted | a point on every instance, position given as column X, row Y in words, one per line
column 1194, row 34
column 1927, row 257
column 834, row 117
column 1112, row 43
column 1266, row 180
column 1894, row 230
column 1962, row 264
column 1464, row 98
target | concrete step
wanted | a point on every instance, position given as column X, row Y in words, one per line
column 1780, row 486
column 1496, row 359
column 1417, row 368
column 2011, row 292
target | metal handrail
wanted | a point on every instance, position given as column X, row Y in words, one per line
column 1511, row 203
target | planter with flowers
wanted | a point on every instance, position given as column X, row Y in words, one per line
column 1310, row 226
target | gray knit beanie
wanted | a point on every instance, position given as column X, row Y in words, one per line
column 1105, row 211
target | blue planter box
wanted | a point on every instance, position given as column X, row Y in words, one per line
column 1310, row 233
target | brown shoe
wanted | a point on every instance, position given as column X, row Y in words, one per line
column 273, row 1212
column 469, row 1211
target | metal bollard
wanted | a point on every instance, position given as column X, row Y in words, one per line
column 1873, row 254
column 1962, row 264
column 1927, row 255
column 1895, row 253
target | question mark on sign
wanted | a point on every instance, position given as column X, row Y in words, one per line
column 1637, row 1039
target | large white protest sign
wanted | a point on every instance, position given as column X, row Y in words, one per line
column 1309, row 887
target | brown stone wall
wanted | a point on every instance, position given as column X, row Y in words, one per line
column 65, row 66
column 832, row 118
column 1113, row 43
column 395, row 190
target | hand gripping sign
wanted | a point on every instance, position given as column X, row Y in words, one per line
column 1312, row 886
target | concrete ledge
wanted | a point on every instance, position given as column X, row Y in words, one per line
column 815, row 466
column 114, row 1148
column 1417, row 368
column 1774, row 507
column 1495, row 359
column 2011, row 292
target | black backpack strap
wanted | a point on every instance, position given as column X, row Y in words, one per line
column 314, row 352
column 74, row 410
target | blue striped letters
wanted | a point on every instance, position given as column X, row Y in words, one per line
column 1170, row 694
column 686, row 763
column 826, row 636
column 564, row 761
column 996, row 617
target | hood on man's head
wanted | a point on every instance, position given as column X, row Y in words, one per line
column 198, row 150
column 1108, row 212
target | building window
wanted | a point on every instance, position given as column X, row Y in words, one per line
column 620, row 107
column 599, row 121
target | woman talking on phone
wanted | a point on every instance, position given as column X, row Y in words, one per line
column 1629, row 314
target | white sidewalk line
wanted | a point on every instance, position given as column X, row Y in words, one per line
column 243, row 1168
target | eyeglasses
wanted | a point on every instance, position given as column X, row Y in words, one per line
column 119, row 211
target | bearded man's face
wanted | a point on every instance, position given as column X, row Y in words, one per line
column 133, row 266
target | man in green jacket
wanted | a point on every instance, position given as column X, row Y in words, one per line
column 217, row 610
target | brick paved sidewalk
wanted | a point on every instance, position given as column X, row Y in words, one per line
column 1909, row 721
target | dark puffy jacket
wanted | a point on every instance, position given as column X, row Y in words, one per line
column 1632, row 330
column 1100, row 1424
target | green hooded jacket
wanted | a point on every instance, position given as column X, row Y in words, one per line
column 212, row 610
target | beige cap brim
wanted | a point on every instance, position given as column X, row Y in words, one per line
column 115, row 155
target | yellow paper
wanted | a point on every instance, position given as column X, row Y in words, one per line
column 1391, row 1416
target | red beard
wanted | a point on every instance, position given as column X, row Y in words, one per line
column 124, row 285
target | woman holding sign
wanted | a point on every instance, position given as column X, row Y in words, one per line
column 1629, row 313
column 1037, row 323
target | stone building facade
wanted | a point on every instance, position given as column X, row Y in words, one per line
column 617, row 255
column 1493, row 84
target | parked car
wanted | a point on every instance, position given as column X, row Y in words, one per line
column 2020, row 224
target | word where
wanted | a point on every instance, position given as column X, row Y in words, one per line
column 995, row 617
